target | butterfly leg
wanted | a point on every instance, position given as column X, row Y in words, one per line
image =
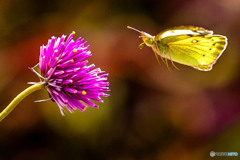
column 172, row 60
column 157, row 57
column 156, row 54
column 167, row 64
column 141, row 46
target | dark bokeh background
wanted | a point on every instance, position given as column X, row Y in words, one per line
column 152, row 114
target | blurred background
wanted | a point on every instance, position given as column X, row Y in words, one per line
column 152, row 114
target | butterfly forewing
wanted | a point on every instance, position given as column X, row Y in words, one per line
column 184, row 30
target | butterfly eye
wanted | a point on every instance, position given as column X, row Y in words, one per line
column 148, row 41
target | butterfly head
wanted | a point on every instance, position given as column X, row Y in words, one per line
column 147, row 38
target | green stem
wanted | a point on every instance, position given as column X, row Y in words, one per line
column 19, row 98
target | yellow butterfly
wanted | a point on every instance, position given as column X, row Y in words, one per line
column 192, row 46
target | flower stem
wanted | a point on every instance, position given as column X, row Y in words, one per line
column 19, row 98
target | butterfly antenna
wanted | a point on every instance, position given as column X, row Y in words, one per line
column 134, row 29
column 143, row 34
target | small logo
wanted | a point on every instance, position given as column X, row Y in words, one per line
column 213, row 154
column 232, row 153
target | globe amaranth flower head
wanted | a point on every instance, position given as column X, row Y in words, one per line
column 70, row 82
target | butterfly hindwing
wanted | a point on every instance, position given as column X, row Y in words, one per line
column 198, row 51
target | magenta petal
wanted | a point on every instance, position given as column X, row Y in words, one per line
column 70, row 82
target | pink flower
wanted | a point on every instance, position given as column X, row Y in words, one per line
column 70, row 82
